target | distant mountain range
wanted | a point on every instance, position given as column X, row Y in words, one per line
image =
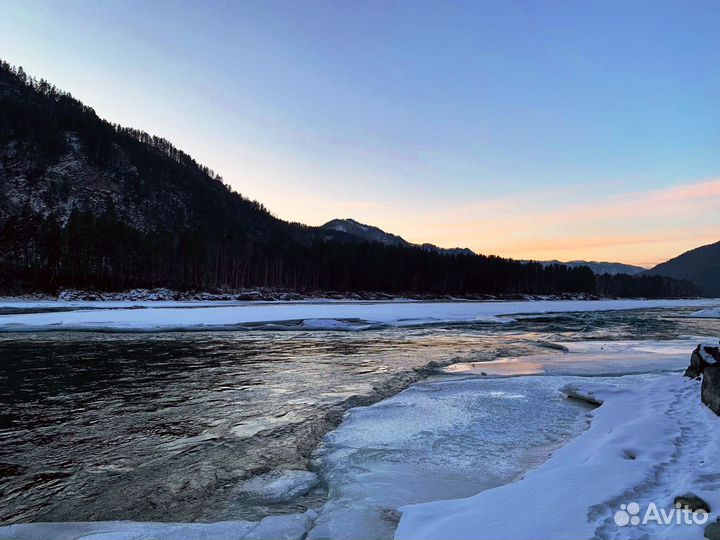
column 599, row 267
column 700, row 266
column 370, row 233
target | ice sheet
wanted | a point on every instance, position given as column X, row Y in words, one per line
column 438, row 439
column 320, row 315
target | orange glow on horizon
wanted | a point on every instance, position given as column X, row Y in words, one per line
column 642, row 228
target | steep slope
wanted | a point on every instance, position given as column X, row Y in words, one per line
column 87, row 203
column 700, row 266
column 370, row 233
column 58, row 157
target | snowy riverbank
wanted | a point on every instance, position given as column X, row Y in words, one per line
column 397, row 467
column 646, row 444
column 188, row 316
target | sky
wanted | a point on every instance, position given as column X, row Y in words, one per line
column 534, row 129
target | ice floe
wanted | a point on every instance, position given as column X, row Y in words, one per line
column 278, row 486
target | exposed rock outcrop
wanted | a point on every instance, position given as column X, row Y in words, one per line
column 710, row 392
column 703, row 356
column 705, row 363
column 712, row 531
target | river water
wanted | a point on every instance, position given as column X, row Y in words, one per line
column 165, row 427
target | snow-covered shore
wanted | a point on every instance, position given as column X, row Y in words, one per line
column 172, row 316
column 647, row 444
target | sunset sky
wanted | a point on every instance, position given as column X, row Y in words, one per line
column 548, row 130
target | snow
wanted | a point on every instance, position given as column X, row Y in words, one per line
column 287, row 527
column 169, row 316
column 647, row 444
column 456, row 436
column 705, row 353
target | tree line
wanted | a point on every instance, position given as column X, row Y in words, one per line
column 104, row 253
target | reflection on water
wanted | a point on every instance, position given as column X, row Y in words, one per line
column 164, row 427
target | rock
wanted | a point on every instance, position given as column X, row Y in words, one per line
column 697, row 364
column 712, row 531
column 692, row 502
column 554, row 346
column 581, row 394
column 391, row 515
column 710, row 389
column 701, row 357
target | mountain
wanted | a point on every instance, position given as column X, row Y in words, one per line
column 369, row 233
column 87, row 204
column 59, row 159
column 597, row 267
column 701, row 266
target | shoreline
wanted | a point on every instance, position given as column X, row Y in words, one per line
column 272, row 295
column 485, row 515
column 269, row 295
column 290, row 526
column 562, row 475
column 648, row 445
column 306, row 435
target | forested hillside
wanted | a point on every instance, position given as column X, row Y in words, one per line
column 700, row 265
column 89, row 204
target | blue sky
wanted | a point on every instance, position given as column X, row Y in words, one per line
column 527, row 129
